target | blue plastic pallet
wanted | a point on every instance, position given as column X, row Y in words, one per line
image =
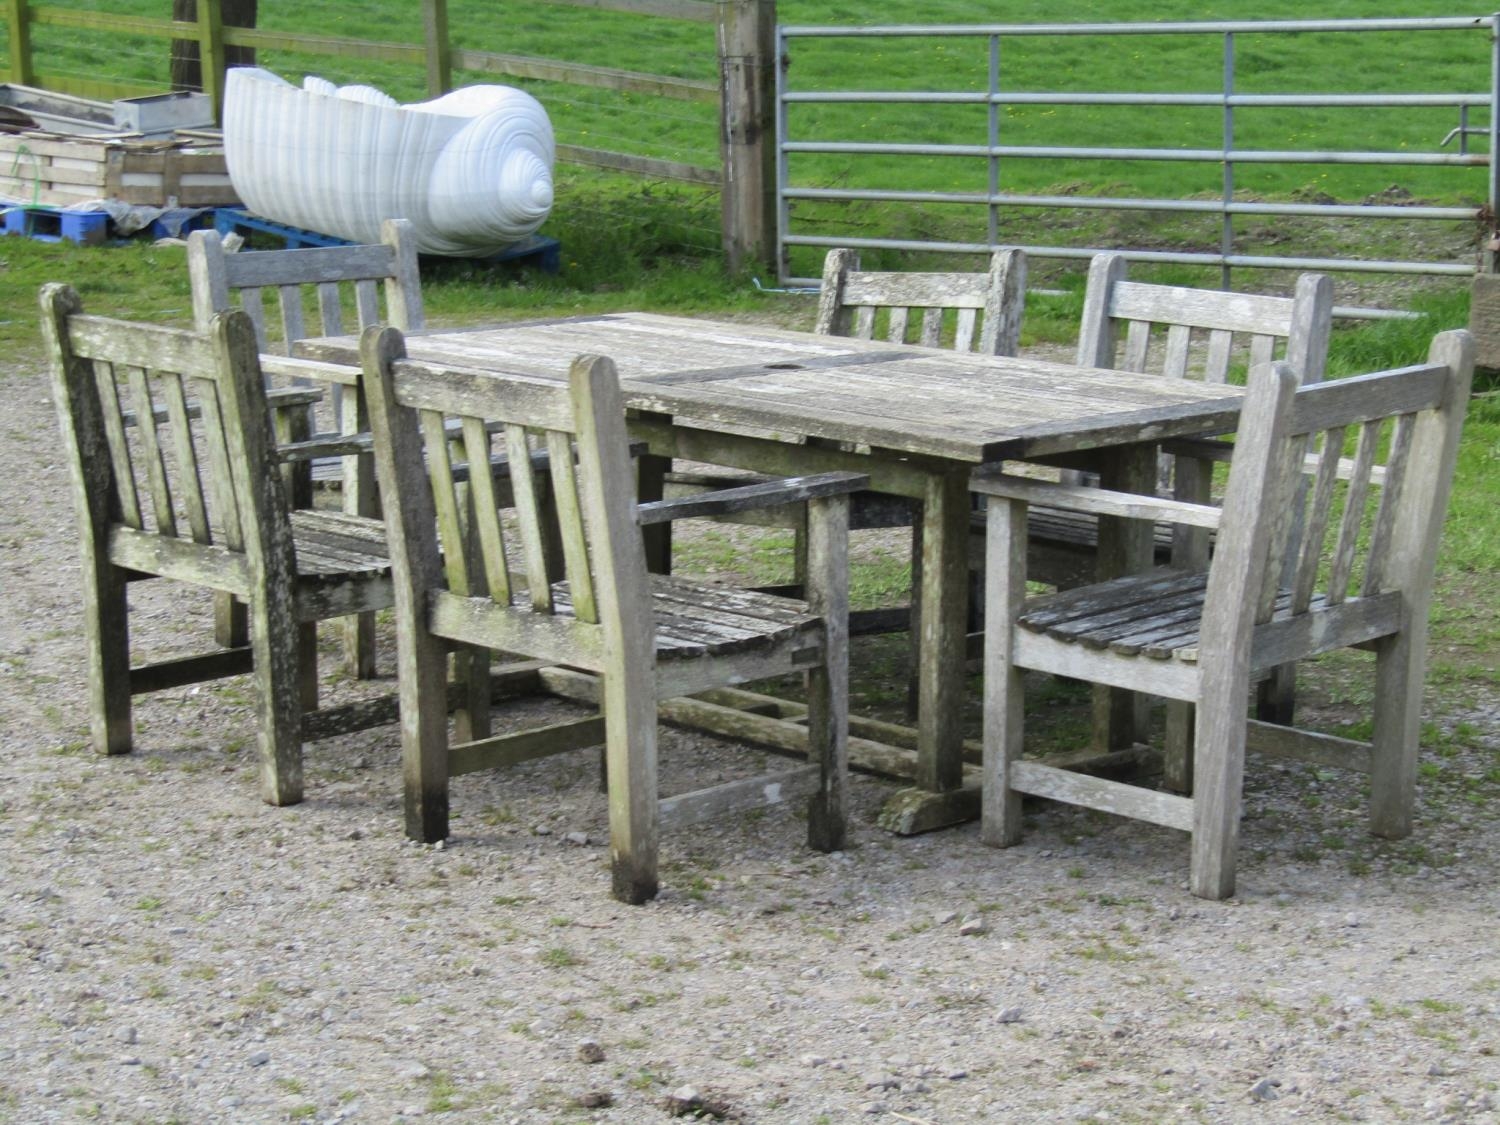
column 47, row 224
column 545, row 253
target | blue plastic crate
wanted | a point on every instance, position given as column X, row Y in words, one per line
column 49, row 224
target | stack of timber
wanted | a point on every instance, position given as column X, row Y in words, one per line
column 58, row 151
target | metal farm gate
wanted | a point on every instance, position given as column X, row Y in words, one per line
column 813, row 144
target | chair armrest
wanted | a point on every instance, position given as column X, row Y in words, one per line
column 1094, row 501
column 315, row 369
column 280, row 399
column 325, row 445
column 285, row 398
column 765, row 494
column 1203, row 449
column 1209, row 449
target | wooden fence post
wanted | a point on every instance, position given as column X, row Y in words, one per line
column 211, row 53
column 19, row 20
column 747, row 132
column 439, row 48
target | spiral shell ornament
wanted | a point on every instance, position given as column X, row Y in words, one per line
column 471, row 170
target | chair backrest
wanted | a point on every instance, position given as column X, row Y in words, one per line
column 992, row 302
column 480, row 587
column 169, row 440
column 1285, row 548
column 389, row 266
column 1162, row 321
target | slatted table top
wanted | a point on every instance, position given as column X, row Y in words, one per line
column 955, row 406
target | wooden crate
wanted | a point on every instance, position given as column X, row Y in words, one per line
column 58, row 169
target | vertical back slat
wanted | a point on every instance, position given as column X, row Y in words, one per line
column 1354, row 510
column 151, row 453
column 330, row 310
column 864, row 322
column 896, row 331
column 119, row 444
column 1216, row 361
column 963, row 330
column 932, row 328
column 1175, row 359
column 1262, row 348
column 1320, row 507
column 221, row 480
column 486, row 514
column 445, row 502
column 293, row 324
column 253, row 301
column 528, row 518
column 367, row 302
column 1137, row 343
column 1286, row 497
column 569, row 513
column 186, row 456
column 1397, row 460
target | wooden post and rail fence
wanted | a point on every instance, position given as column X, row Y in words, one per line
column 745, row 90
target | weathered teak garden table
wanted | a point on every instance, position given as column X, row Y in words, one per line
column 916, row 420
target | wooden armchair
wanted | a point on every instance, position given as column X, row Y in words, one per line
column 1358, row 574
column 461, row 580
column 175, row 475
column 319, row 279
column 1176, row 332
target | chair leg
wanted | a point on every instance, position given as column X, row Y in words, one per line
column 828, row 684
column 360, row 499
column 1218, row 780
column 630, row 747
column 1004, row 689
column 471, row 668
column 277, row 643
column 1276, row 696
column 423, row 686
column 231, row 625
column 107, row 628
column 307, row 665
column 1177, row 759
column 1399, row 669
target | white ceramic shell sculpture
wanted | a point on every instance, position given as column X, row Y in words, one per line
column 472, row 169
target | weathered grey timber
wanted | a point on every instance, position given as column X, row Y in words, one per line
column 917, row 420
column 973, row 311
column 291, row 277
column 195, row 495
column 1266, row 598
column 851, row 302
column 461, row 584
column 1183, row 333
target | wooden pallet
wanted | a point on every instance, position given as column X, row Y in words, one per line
column 540, row 251
column 58, row 169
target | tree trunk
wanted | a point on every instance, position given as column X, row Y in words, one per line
column 187, row 70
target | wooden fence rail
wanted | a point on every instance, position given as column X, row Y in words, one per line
column 745, row 91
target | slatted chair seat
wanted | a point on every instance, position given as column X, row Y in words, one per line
column 335, row 546
column 612, row 633
column 697, row 619
column 1310, row 558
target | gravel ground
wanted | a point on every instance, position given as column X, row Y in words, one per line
column 173, row 950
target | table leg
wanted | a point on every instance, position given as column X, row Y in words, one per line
column 1125, row 547
column 939, row 798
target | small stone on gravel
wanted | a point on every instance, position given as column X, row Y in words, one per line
column 591, row 1051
